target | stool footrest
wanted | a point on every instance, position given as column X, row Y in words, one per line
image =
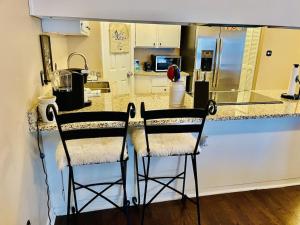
column 99, row 194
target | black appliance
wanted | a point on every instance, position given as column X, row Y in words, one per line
column 147, row 66
column 161, row 63
column 201, row 94
column 73, row 98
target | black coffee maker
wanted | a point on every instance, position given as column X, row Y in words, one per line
column 68, row 87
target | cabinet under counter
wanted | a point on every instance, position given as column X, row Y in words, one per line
column 150, row 82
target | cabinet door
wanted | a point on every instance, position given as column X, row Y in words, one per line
column 160, row 81
column 168, row 36
column 146, row 35
column 156, row 90
column 142, row 85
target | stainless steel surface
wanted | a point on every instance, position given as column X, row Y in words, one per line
column 80, row 54
column 241, row 98
column 231, row 52
column 228, row 46
column 99, row 85
column 229, row 49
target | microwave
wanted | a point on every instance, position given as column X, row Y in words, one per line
column 162, row 62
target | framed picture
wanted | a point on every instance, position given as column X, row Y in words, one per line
column 46, row 57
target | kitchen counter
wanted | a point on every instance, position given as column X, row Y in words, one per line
column 105, row 102
column 153, row 73
column 246, row 149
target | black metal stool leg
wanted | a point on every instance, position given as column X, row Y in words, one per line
column 69, row 197
column 125, row 201
column 74, row 191
column 184, row 175
column 146, row 174
column 137, row 201
column 194, row 162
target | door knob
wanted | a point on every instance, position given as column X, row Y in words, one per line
column 129, row 74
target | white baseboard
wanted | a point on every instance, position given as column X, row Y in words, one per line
column 99, row 204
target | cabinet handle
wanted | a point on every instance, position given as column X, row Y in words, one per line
column 160, row 44
column 154, row 44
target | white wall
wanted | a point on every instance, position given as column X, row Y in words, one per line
column 22, row 188
column 59, row 47
column 265, row 12
column 62, row 46
column 89, row 46
column 265, row 156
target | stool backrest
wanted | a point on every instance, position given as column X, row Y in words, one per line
column 99, row 116
column 196, row 113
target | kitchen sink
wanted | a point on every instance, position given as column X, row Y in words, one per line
column 98, row 85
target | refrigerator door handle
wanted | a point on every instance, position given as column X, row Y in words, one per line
column 219, row 61
column 218, row 57
column 215, row 65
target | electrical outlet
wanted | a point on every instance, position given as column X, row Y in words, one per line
column 28, row 222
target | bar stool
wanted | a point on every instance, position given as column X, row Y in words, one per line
column 163, row 140
column 93, row 146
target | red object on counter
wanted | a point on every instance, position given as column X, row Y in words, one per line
column 173, row 73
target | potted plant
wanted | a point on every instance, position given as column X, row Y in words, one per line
column 177, row 87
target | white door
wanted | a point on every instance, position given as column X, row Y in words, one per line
column 168, row 36
column 117, row 68
column 146, row 35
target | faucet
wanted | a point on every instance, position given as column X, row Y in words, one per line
column 80, row 54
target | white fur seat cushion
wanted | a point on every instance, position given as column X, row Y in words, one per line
column 91, row 150
column 163, row 144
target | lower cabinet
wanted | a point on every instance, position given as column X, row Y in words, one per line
column 152, row 85
column 155, row 90
column 142, row 84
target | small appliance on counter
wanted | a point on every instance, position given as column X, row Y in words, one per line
column 201, row 94
column 161, row 63
column 201, row 90
column 291, row 93
column 68, row 87
column 147, row 66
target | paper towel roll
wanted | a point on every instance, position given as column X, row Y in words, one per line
column 292, row 85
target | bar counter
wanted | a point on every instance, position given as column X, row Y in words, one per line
column 107, row 102
column 247, row 147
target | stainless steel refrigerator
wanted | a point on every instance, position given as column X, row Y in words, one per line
column 226, row 45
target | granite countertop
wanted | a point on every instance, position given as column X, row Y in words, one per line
column 106, row 102
column 153, row 73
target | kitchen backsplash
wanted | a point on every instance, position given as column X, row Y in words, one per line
column 144, row 54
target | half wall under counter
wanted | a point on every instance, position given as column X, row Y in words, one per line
column 248, row 147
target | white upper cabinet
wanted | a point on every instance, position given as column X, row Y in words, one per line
column 157, row 36
column 66, row 26
column 168, row 36
column 146, row 35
